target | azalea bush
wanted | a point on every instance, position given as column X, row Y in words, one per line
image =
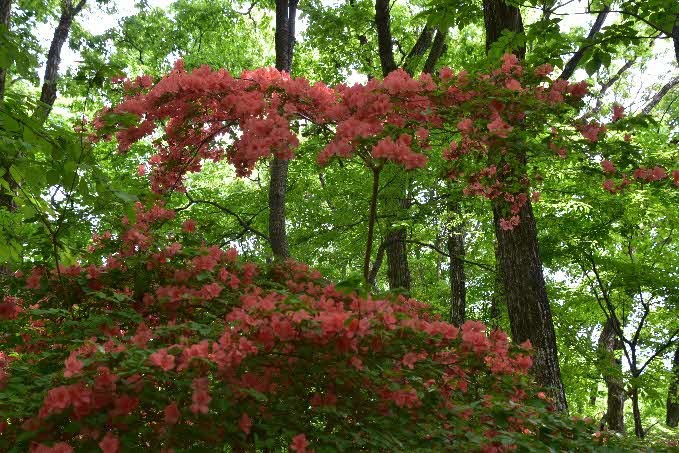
column 161, row 342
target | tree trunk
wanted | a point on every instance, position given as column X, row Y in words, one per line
column 421, row 46
column 385, row 47
column 611, row 370
column 498, row 299
column 675, row 38
column 438, row 47
column 398, row 271
column 655, row 100
column 286, row 12
column 498, row 17
column 636, row 411
column 372, row 278
column 530, row 315
column 672, row 419
column 523, row 283
column 277, row 191
column 49, row 85
column 5, row 8
column 574, row 61
column 394, row 201
column 458, row 288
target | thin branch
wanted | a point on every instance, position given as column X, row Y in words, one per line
column 655, row 100
column 573, row 63
column 246, row 224
column 659, row 351
column 610, row 82
column 484, row 266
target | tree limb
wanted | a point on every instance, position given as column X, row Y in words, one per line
column 461, row 258
column 384, row 40
column 609, row 83
column 438, row 47
column 246, row 224
column 48, row 93
column 419, row 49
column 572, row 64
column 655, row 100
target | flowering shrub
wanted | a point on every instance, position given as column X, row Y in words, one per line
column 481, row 123
column 160, row 342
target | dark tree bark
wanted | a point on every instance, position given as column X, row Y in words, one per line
column 498, row 16
column 5, row 8
column 518, row 253
column 611, row 370
column 525, row 293
column 398, row 271
column 675, row 38
column 672, row 419
column 657, row 97
column 636, row 414
column 372, row 217
column 384, row 41
column 438, row 47
column 286, row 12
column 458, row 286
column 48, row 95
column 421, row 46
column 573, row 63
column 372, row 278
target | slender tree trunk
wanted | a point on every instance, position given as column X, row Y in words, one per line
column 49, row 85
column 573, row 63
column 286, row 12
column 421, row 46
column 372, row 278
column 655, row 100
column 636, row 412
column 371, row 226
column 524, row 286
column 611, row 369
column 394, row 202
column 675, row 38
column 438, row 47
column 672, row 419
column 458, row 287
column 5, row 9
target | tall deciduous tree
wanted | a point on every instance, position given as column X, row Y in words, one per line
column 69, row 10
column 518, row 252
column 396, row 193
column 286, row 12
